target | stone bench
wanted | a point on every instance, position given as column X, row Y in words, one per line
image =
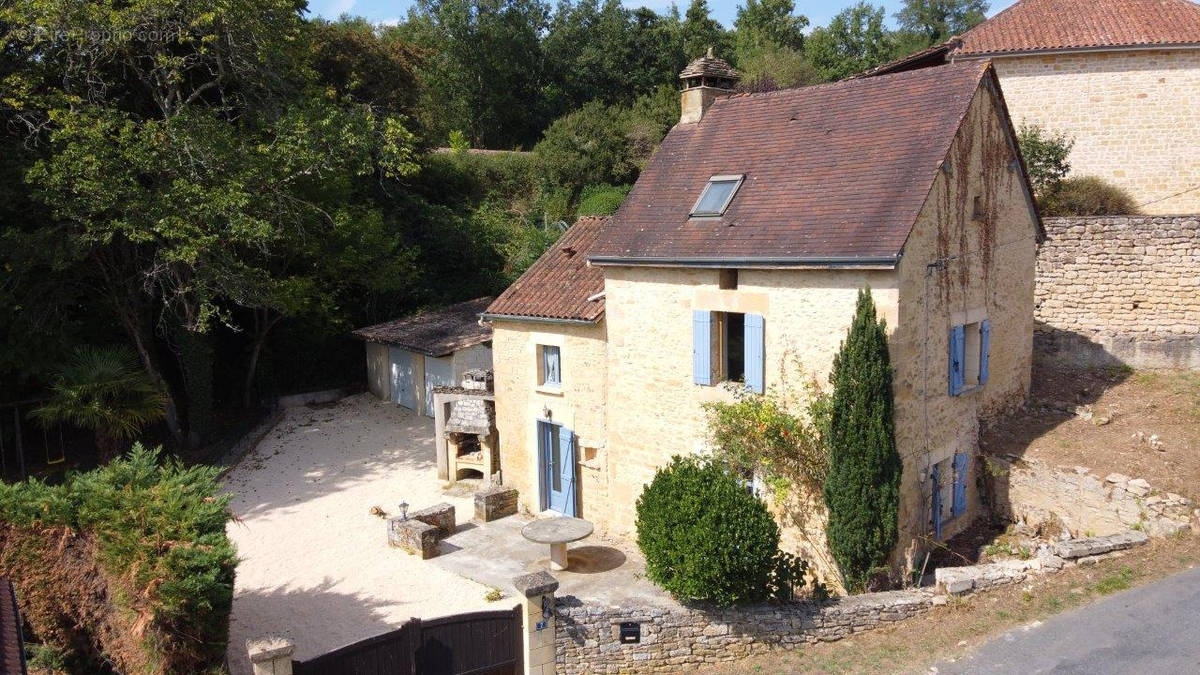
column 413, row 536
column 495, row 502
column 440, row 516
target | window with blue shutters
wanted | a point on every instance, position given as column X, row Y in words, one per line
column 728, row 346
column 969, row 350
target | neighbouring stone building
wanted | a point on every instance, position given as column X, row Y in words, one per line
column 1122, row 77
column 740, row 252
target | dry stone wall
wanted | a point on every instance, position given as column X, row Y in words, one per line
column 1120, row 289
column 673, row 638
column 1034, row 493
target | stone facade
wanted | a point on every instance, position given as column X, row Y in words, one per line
column 1033, row 493
column 1135, row 117
column 970, row 256
column 577, row 404
column 1120, row 289
column 676, row 638
column 441, row 516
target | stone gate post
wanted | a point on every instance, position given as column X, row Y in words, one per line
column 537, row 594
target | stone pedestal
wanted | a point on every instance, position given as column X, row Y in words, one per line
column 413, row 536
column 271, row 655
column 537, row 595
column 495, row 502
column 558, row 557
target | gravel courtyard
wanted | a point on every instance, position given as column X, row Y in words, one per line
column 315, row 565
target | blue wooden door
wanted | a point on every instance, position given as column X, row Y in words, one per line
column 401, row 364
column 556, row 448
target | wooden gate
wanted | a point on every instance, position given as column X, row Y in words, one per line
column 482, row 643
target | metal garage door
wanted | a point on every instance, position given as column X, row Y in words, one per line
column 438, row 373
column 403, row 391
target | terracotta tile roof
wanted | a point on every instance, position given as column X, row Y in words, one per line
column 12, row 649
column 834, row 173
column 1038, row 25
column 558, row 284
column 436, row 333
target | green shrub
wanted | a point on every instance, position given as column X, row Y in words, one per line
column 127, row 564
column 1087, row 196
column 1045, row 156
column 704, row 536
column 862, row 491
column 601, row 200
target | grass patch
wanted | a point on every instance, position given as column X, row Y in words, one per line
column 1120, row 580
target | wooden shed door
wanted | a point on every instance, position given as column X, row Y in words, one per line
column 403, row 392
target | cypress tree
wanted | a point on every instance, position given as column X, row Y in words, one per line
column 862, row 490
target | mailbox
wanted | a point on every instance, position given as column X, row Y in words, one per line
column 631, row 633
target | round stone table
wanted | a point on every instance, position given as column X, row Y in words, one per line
column 557, row 532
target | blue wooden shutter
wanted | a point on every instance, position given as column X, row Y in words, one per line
column 702, row 347
column 566, row 439
column 985, row 342
column 959, row 506
column 958, row 344
column 936, row 502
column 754, row 353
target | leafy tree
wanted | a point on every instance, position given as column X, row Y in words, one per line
column 105, row 390
column 1046, row 157
column 854, row 41
column 359, row 64
column 701, row 31
column 862, row 490
column 763, row 23
column 586, row 147
column 938, row 20
column 485, row 68
column 771, row 67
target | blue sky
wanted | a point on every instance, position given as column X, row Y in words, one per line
column 818, row 11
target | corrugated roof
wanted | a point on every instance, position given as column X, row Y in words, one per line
column 436, row 333
column 1040, row 25
column 557, row 286
column 835, row 172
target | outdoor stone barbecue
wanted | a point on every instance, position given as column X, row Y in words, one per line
column 471, row 436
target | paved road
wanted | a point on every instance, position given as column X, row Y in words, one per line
column 1154, row 629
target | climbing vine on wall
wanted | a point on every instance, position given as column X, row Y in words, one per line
column 779, row 436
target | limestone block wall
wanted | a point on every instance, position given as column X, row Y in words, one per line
column 1135, row 117
column 578, row 404
column 675, row 638
column 970, row 257
column 1121, row 288
column 1034, row 493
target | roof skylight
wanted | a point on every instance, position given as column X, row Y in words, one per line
column 717, row 195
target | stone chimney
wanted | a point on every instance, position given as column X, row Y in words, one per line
column 705, row 80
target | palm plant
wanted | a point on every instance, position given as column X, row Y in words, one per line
column 104, row 389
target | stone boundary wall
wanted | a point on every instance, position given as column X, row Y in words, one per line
column 673, row 639
column 1120, row 289
column 1034, row 493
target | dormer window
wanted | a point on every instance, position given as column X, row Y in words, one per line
column 716, row 196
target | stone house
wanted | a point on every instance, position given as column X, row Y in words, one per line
column 407, row 358
column 1122, row 77
column 740, row 251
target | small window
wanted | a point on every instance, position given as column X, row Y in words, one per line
column 550, row 366
column 716, row 196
